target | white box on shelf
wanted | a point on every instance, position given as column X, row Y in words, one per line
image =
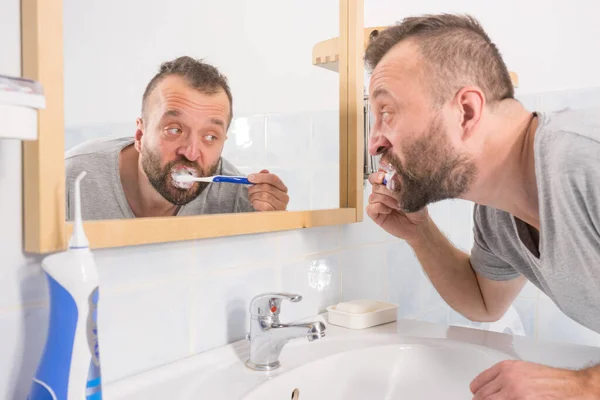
column 20, row 99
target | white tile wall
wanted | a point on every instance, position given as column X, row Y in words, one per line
column 364, row 272
column 528, row 313
column 408, row 286
column 324, row 139
column 135, row 267
column 530, row 291
column 455, row 219
column 295, row 243
column 438, row 315
column 235, row 251
column 21, row 280
column 221, row 303
column 246, row 143
column 288, row 140
column 22, row 335
column 164, row 302
column 317, row 278
column 299, row 187
column 555, row 326
column 144, row 327
column 557, row 100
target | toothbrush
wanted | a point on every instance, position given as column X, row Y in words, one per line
column 389, row 173
column 217, row 178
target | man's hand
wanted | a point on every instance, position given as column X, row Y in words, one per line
column 520, row 380
column 268, row 192
column 384, row 209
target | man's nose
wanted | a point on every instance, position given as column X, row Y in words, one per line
column 191, row 149
column 378, row 144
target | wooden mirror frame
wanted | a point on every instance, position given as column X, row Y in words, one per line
column 45, row 228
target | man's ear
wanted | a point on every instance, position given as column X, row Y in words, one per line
column 471, row 102
column 139, row 132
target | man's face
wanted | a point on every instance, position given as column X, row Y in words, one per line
column 412, row 134
column 185, row 131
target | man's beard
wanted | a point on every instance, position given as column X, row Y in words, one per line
column 162, row 180
column 433, row 170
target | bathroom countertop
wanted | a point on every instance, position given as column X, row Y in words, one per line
column 221, row 373
column 560, row 355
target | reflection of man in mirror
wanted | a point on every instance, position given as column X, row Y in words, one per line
column 447, row 125
column 186, row 112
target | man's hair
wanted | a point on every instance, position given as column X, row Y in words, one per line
column 456, row 52
column 201, row 76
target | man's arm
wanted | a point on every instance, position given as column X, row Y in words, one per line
column 448, row 268
column 450, row 271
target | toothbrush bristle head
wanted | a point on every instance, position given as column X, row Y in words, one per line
column 183, row 178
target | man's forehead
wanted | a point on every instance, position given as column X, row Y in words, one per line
column 402, row 62
column 168, row 85
column 176, row 86
column 180, row 93
column 406, row 52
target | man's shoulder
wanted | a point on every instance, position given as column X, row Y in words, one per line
column 579, row 127
column 568, row 143
column 227, row 168
column 94, row 154
column 568, row 168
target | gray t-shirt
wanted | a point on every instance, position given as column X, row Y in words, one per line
column 566, row 264
column 102, row 195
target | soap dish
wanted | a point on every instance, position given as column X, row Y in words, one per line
column 379, row 312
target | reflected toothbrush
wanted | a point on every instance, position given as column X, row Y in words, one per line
column 186, row 178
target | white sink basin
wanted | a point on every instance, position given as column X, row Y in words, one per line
column 435, row 370
column 405, row 360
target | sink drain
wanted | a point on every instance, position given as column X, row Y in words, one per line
column 296, row 394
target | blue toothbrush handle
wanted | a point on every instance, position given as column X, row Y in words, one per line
column 232, row 179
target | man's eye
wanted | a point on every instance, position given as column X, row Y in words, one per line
column 174, row 131
column 211, row 138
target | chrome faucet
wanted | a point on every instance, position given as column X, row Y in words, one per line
column 268, row 336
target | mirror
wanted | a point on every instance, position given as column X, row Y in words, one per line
column 295, row 72
column 285, row 117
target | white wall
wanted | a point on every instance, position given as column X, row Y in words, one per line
column 264, row 48
column 162, row 303
column 547, row 42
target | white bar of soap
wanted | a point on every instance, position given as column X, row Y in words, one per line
column 357, row 306
column 360, row 314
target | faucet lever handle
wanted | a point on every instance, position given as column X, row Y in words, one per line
column 269, row 304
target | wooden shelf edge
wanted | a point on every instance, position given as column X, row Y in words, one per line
column 326, row 53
